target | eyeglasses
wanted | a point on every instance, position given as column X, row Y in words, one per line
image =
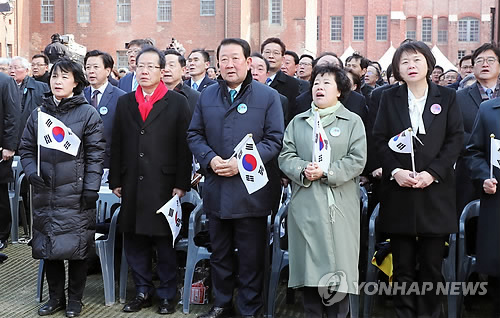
column 150, row 67
column 304, row 64
column 134, row 52
column 490, row 60
column 38, row 64
column 274, row 53
column 16, row 68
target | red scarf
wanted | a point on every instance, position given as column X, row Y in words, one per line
column 146, row 106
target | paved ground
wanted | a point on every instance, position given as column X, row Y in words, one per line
column 18, row 289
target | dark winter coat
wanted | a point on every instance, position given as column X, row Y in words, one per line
column 149, row 159
column 62, row 226
column 9, row 122
column 477, row 158
column 428, row 211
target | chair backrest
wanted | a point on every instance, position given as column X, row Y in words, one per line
column 104, row 204
column 17, row 170
column 471, row 210
column 191, row 197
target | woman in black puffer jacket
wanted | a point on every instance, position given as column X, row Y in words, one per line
column 65, row 192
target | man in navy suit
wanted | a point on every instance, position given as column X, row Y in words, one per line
column 128, row 83
column 197, row 63
column 101, row 94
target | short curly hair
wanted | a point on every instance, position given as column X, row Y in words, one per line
column 343, row 82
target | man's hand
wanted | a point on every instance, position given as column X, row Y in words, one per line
column 405, row 178
column 363, row 180
column 285, row 182
column 225, row 168
column 490, row 186
column 313, row 171
column 424, row 180
column 7, row 154
column 118, row 192
column 216, row 161
column 377, row 173
column 179, row 192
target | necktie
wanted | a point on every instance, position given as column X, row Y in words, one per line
column 134, row 83
column 93, row 100
column 147, row 98
column 195, row 86
column 269, row 81
column 489, row 92
column 233, row 94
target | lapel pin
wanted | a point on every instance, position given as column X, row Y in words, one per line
column 103, row 110
column 242, row 108
column 335, row 131
column 436, row 109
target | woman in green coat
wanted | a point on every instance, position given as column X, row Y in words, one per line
column 323, row 215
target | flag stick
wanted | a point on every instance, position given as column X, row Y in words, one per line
column 238, row 146
column 38, row 145
column 491, row 155
column 412, row 153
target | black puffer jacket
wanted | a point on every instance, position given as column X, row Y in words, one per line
column 62, row 227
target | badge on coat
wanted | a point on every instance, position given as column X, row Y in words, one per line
column 436, row 109
column 103, row 110
column 242, row 108
column 335, row 131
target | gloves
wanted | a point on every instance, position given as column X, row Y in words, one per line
column 36, row 181
column 89, row 199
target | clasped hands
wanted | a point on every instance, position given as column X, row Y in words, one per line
column 313, row 172
column 406, row 179
column 223, row 167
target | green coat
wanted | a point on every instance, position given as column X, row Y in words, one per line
column 324, row 240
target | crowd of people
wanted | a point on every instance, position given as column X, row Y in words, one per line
column 151, row 123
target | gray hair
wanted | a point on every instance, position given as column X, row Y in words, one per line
column 4, row 61
column 24, row 62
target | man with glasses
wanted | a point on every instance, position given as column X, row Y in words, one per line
column 30, row 91
column 129, row 82
column 40, row 68
column 305, row 67
column 486, row 69
column 273, row 50
column 150, row 163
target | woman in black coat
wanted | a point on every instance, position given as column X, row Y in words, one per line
column 65, row 188
column 422, row 205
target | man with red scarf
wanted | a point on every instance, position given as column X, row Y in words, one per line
column 150, row 163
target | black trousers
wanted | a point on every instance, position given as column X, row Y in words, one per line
column 5, row 213
column 314, row 307
column 56, row 278
column 428, row 252
column 139, row 253
column 248, row 235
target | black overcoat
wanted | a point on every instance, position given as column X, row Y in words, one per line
column 428, row 211
column 477, row 158
column 148, row 160
column 10, row 115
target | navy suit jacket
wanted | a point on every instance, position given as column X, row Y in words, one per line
column 108, row 102
column 204, row 84
column 469, row 99
column 125, row 83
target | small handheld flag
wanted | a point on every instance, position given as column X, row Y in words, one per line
column 321, row 144
column 53, row 134
column 250, row 166
column 494, row 154
column 403, row 143
column 173, row 213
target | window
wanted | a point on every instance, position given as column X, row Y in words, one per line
column 358, row 28
column 461, row 54
column 427, row 30
column 442, row 30
column 411, row 28
column 47, row 11
column 381, row 28
column 275, row 13
column 164, row 10
column 335, row 28
column 9, row 50
column 207, row 7
column 123, row 10
column 83, row 11
column 468, row 30
column 121, row 59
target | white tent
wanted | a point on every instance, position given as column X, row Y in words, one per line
column 442, row 60
column 386, row 59
column 348, row 52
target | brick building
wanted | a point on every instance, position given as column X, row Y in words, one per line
column 368, row 26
